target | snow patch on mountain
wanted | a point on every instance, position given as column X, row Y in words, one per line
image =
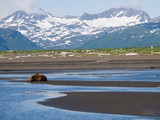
column 70, row 32
column 112, row 22
column 10, row 19
column 44, row 24
column 155, row 30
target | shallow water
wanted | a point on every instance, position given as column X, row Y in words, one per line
column 107, row 75
column 19, row 100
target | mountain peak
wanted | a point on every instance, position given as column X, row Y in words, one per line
column 41, row 12
column 87, row 16
column 21, row 14
column 15, row 16
column 118, row 12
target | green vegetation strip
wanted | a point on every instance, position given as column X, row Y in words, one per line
column 93, row 52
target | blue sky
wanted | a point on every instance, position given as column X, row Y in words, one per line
column 78, row 7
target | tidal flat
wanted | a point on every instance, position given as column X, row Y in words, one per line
column 127, row 94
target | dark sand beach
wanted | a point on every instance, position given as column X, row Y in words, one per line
column 99, row 83
column 105, row 62
column 125, row 103
column 143, row 104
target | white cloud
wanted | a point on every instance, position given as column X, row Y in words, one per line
column 7, row 7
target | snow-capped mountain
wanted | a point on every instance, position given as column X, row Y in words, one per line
column 134, row 15
column 52, row 32
column 143, row 35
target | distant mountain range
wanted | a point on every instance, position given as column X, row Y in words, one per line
column 70, row 32
column 136, row 15
column 14, row 40
column 143, row 35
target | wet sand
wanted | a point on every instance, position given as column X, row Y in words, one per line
column 99, row 83
column 124, row 103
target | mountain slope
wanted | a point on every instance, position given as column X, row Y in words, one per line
column 13, row 40
column 157, row 18
column 52, row 32
column 143, row 35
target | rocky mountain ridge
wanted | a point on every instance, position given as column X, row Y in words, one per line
column 69, row 32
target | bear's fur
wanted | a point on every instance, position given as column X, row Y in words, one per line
column 37, row 77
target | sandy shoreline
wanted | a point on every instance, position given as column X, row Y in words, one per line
column 143, row 104
column 124, row 103
column 107, row 62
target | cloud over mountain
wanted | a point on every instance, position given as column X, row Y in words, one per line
column 8, row 6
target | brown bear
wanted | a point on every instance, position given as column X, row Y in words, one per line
column 37, row 77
